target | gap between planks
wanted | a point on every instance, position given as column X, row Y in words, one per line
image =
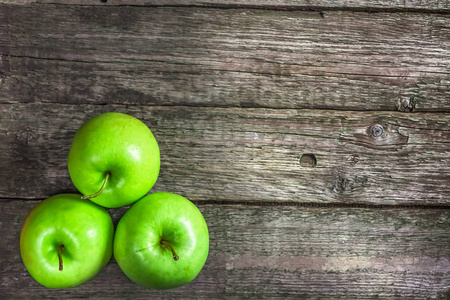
column 443, row 111
column 256, row 5
column 289, row 204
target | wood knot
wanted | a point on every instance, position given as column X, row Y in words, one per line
column 25, row 137
column 354, row 158
column 376, row 130
column 379, row 135
column 408, row 105
column 344, row 183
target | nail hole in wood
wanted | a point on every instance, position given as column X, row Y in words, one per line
column 308, row 160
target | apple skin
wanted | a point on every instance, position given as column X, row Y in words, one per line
column 84, row 228
column 119, row 144
column 137, row 243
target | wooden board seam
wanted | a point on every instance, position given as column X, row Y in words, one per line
column 444, row 111
column 229, row 6
column 208, row 202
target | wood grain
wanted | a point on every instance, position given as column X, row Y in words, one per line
column 277, row 252
column 376, row 5
column 224, row 57
column 236, row 154
column 283, row 120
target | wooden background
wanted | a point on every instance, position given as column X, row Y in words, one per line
column 313, row 135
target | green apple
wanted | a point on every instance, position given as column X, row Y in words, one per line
column 66, row 240
column 114, row 159
column 162, row 241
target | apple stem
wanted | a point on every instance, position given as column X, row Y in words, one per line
column 60, row 248
column 107, row 174
column 168, row 245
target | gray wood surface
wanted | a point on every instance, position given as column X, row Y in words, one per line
column 225, row 57
column 278, row 252
column 247, row 154
column 313, row 136
column 369, row 5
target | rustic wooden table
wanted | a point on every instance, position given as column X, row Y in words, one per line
column 313, row 136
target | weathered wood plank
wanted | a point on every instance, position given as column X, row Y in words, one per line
column 370, row 5
column 278, row 252
column 247, row 154
column 233, row 57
